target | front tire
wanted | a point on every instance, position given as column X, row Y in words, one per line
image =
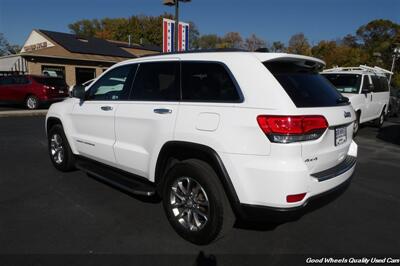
column 59, row 150
column 356, row 126
column 195, row 202
column 380, row 120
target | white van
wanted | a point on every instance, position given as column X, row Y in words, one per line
column 367, row 89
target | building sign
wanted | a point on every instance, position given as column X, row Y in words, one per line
column 35, row 47
column 168, row 36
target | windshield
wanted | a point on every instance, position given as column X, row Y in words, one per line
column 305, row 86
column 345, row 83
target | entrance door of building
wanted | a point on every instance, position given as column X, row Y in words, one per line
column 84, row 74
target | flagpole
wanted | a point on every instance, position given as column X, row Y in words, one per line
column 176, row 25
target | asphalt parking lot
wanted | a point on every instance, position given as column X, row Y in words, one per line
column 43, row 211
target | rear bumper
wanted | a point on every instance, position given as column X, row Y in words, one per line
column 262, row 183
column 250, row 212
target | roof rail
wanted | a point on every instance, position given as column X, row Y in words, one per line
column 200, row 51
column 375, row 70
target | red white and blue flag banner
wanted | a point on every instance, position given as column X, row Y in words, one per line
column 168, row 36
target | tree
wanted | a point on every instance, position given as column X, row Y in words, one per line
column 298, row 44
column 194, row 35
column 335, row 54
column 278, row 47
column 231, row 40
column 350, row 40
column 142, row 29
column 6, row 48
column 379, row 37
column 253, row 42
column 208, row 41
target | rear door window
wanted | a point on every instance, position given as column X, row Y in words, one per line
column 380, row 84
column 207, row 82
column 305, row 86
column 157, row 81
column 384, row 84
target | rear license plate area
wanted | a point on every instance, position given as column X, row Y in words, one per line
column 340, row 135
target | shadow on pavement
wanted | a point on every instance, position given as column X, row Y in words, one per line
column 390, row 134
column 205, row 260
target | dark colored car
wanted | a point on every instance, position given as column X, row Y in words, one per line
column 394, row 102
column 31, row 90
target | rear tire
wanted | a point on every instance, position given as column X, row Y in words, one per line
column 195, row 202
column 32, row 102
column 59, row 150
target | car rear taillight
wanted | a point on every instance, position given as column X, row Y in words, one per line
column 288, row 129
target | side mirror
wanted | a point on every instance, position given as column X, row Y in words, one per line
column 79, row 92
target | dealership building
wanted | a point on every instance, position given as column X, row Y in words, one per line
column 74, row 58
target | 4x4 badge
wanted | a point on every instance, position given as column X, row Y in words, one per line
column 347, row 114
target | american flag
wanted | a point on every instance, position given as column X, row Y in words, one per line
column 168, row 36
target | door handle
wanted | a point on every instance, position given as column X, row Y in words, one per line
column 106, row 108
column 162, row 111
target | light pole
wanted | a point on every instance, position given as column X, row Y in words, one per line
column 396, row 54
column 176, row 29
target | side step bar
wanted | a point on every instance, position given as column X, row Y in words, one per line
column 117, row 178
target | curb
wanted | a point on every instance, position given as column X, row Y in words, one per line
column 23, row 113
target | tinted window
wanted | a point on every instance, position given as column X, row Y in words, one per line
column 114, row 85
column 157, row 82
column 7, row 80
column 366, row 84
column 207, row 82
column 345, row 83
column 304, row 85
column 377, row 84
column 21, row 80
column 55, row 82
column 384, row 84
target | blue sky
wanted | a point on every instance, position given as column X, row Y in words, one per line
column 270, row 19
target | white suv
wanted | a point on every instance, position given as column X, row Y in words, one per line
column 213, row 134
column 366, row 87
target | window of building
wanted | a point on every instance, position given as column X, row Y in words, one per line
column 157, row 82
column 206, row 81
column 84, row 74
column 115, row 85
column 54, row 71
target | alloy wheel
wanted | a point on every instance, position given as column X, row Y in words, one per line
column 189, row 204
column 57, row 149
column 31, row 103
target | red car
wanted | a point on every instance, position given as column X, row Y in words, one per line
column 31, row 90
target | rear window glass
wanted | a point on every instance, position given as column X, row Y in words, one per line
column 304, row 85
column 56, row 82
column 345, row 83
column 207, row 82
